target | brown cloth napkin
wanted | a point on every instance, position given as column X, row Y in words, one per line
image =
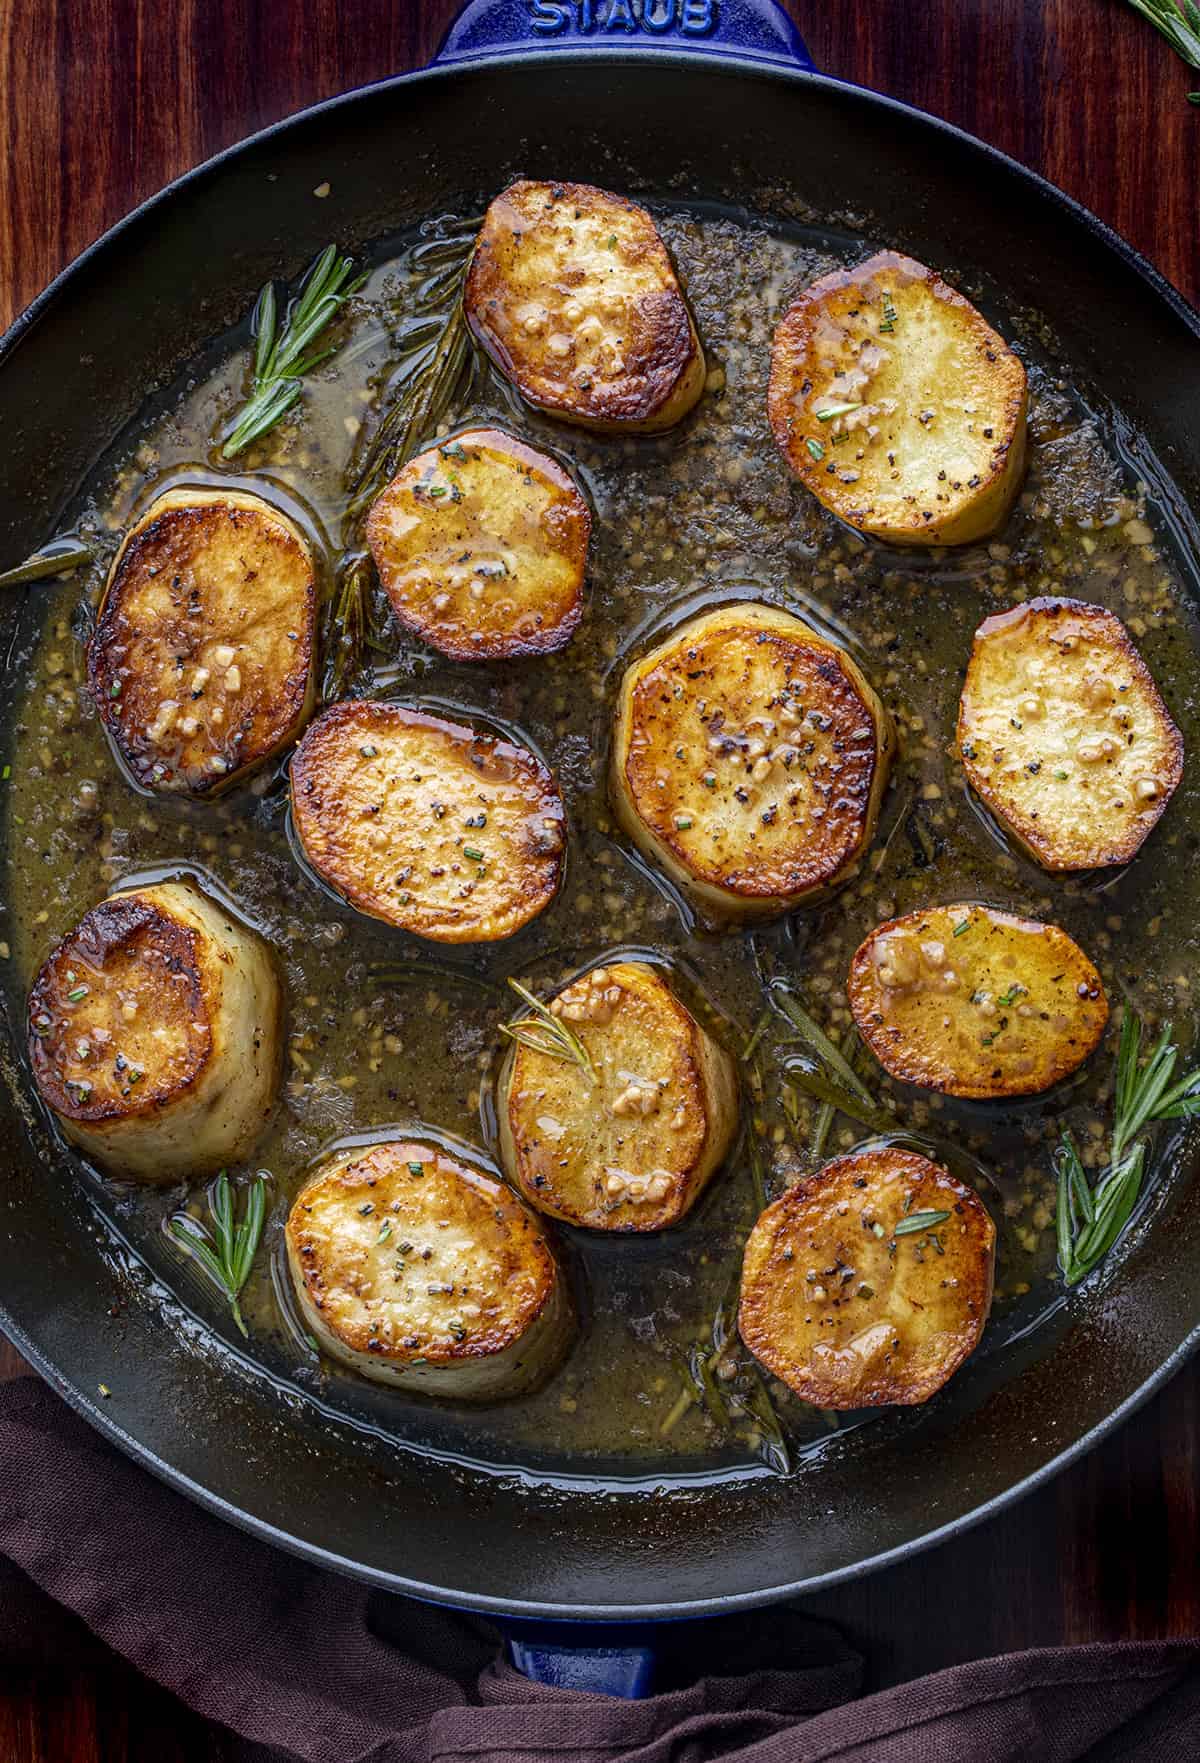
column 304, row 1667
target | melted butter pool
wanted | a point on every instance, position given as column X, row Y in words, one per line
column 382, row 1029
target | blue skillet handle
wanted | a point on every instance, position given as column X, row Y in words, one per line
column 573, row 1657
column 741, row 30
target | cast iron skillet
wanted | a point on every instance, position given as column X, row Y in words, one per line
column 663, row 118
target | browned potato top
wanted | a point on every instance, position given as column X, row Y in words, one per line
column 120, row 1016
column 630, row 1142
column 203, row 655
column 750, row 758
column 431, row 825
column 870, row 1282
column 573, row 295
column 976, row 1002
column 481, row 544
column 1064, row 735
column 155, row 1033
column 898, row 406
column 411, row 1256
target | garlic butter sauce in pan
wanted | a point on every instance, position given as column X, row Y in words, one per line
column 383, row 1030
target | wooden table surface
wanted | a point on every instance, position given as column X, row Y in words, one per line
column 102, row 101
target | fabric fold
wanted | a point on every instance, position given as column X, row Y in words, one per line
column 306, row 1667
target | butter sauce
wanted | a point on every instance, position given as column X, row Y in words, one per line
column 383, row 1029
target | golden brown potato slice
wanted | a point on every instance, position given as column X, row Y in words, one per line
column 898, row 406
column 870, row 1283
column 573, row 295
column 428, row 824
column 415, row 1268
column 155, row 1034
column 1064, row 735
column 202, row 663
column 749, row 761
column 629, row 1141
column 976, row 1002
column 481, row 545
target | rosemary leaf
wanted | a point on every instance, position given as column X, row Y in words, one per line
column 1065, row 1225
column 1115, row 1196
column 248, row 1234
column 528, row 1034
column 59, row 557
column 918, row 1221
column 221, row 1207
column 899, row 819
column 1143, row 1094
column 262, row 328
column 724, row 1322
column 187, row 1233
column 261, row 415
column 1081, row 1193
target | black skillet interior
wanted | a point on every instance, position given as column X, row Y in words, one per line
column 124, row 320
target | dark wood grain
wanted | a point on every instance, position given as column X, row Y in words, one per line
column 103, row 101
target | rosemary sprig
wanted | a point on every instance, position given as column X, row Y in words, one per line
column 722, row 1400
column 1180, row 25
column 434, row 361
column 59, row 557
column 547, row 1033
column 1092, row 1217
column 347, row 618
column 352, row 624
column 785, row 1001
column 424, row 388
column 226, row 1251
column 283, row 355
